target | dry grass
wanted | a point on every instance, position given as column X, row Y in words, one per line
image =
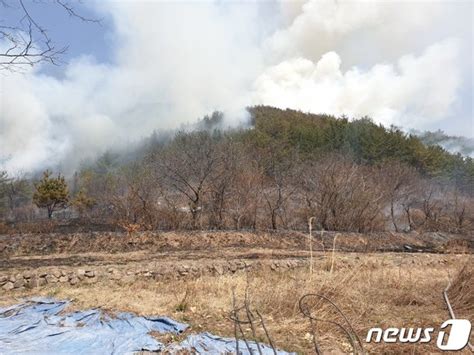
column 372, row 290
column 461, row 292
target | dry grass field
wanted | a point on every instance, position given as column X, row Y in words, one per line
column 372, row 290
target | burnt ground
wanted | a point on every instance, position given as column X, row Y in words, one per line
column 32, row 251
column 116, row 242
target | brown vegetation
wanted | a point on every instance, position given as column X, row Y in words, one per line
column 352, row 176
column 371, row 290
column 26, row 245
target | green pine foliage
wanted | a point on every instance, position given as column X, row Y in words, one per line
column 362, row 139
column 51, row 193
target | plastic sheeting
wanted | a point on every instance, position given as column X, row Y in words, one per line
column 41, row 326
column 206, row 343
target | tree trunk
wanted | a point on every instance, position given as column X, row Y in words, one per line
column 274, row 224
column 392, row 214
column 410, row 223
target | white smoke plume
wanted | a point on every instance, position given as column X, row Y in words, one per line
column 409, row 93
column 400, row 63
column 453, row 144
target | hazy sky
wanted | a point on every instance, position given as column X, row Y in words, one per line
column 156, row 64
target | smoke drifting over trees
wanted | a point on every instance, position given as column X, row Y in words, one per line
column 288, row 166
column 172, row 62
column 266, row 167
column 455, row 144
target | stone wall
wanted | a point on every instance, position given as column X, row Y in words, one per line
column 127, row 274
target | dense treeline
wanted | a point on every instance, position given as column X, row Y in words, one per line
column 364, row 141
column 288, row 166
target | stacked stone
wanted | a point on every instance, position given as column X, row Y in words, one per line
column 123, row 275
column 32, row 280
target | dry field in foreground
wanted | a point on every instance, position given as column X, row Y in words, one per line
column 379, row 289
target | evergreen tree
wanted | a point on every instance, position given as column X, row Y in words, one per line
column 51, row 193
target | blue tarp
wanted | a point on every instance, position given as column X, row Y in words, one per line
column 39, row 327
column 206, row 343
column 42, row 326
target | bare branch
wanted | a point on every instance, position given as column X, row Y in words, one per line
column 28, row 42
column 73, row 13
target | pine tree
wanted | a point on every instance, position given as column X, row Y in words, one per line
column 51, row 193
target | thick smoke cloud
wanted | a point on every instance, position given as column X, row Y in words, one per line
column 409, row 93
column 174, row 62
column 401, row 63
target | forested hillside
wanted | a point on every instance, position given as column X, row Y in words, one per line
column 363, row 141
column 285, row 167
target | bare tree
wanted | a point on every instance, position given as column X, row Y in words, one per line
column 445, row 209
column 134, row 198
column 221, row 181
column 246, row 194
column 4, row 180
column 187, row 166
column 278, row 183
column 432, row 205
column 409, row 203
column 343, row 195
column 400, row 181
column 461, row 210
column 27, row 41
column 18, row 192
